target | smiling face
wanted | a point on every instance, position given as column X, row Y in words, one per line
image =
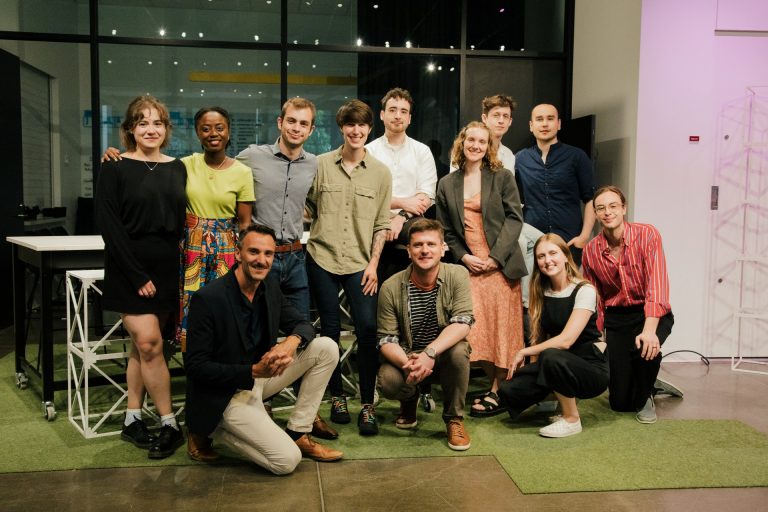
column 295, row 126
column 212, row 129
column 550, row 259
column 476, row 143
column 545, row 123
column 355, row 134
column 498, row 120
column 255, row 255
column 610, row 210
column 149, row 132
column 396, row 115
column 425, row 249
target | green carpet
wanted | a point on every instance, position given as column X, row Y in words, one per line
column 613, row 453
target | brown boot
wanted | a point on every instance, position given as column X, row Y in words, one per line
column 199, row 448
column 323, row 430
column 315, row 451
column 407, row 417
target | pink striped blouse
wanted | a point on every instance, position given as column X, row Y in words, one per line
column 638, row 277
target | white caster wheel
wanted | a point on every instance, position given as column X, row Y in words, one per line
column 427, row 402
column 22, row 381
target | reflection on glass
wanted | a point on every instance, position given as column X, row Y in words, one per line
column 328, row 79
column 56, row 143
column 322, row 22
column 514, row 25
column 45, row 16
column 410, row 23
column 247, row 83
column 222, row 20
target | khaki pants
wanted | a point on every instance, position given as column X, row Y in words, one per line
column 247, row 428
column 452, row 370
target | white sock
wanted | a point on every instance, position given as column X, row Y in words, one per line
column 132, row 415
column 169, row 419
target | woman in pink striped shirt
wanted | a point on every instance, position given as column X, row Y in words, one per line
column 626, row 264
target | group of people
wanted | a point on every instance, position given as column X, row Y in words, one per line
column 208, row 250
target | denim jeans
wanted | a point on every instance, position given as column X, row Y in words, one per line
column 324, row 287
column 290, row 270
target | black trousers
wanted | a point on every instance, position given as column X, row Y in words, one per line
column 581, row 372
column 632, row 377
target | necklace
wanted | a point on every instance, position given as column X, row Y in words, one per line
column 151, row 168
column 211, row 173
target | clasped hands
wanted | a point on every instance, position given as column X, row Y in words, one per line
column 418, row 367
column 274, row 362
column 479, row 265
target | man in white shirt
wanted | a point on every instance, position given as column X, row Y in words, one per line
column 414, row 176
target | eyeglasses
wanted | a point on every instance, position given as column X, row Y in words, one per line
column 613, row 207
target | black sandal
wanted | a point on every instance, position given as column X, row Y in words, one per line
column 489, row 408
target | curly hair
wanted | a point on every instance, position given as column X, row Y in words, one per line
column 490, row 159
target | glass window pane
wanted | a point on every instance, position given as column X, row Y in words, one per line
column 411, row 23
column 328, row 80
column 222, row 20
column 55, row 112
column 246, row 83
column 531, row 25
column 45, row 16
column 322, row 22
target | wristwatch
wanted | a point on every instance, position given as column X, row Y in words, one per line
column 430, row 353
column 403, row 214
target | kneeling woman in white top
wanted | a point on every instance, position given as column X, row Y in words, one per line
column 569, row 355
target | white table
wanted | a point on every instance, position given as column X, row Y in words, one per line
column 47, row 254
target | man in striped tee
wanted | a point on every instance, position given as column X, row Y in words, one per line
column 626, row 264
column 424, row 317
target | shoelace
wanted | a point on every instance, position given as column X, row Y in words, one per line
column 457, row 429
column 340, row 405
column 369, row 415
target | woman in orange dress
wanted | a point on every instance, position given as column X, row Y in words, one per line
column 479, row 206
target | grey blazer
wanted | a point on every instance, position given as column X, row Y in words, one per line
column 502, row 217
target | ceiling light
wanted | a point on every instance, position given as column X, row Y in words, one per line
column 266, row 64
column 175, row 63
column 239, row 63
column 149, row 62
column 375, row 6
column 161, row 32
column 256, row 37
column 109, row 62
column 359, row 42
column 407, row 44
column 501, row 48
column 114, row 31
column 200, row 34
column 183, row 34
column 430, row 66
column 181, row 90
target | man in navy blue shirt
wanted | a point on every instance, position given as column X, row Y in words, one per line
column 554, row 179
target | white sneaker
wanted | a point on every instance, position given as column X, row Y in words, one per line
column 561, row 428
column 648, row 413
column 664, row 387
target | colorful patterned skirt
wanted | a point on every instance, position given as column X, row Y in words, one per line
column 209, row 253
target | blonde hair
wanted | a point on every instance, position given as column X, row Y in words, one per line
column 538, row 282
column 490, row 159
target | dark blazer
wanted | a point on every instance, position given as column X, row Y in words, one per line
column 502, row 217
column 217, row 361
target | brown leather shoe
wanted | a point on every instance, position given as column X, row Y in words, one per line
column 315, row 451
column 458, row 437
column 407, row 417
column 322, row 430
column 199, row 448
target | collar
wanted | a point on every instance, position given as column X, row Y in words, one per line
column 440, row 274
column 385, row 141
column 552, row 148
column 628, row 240
column 275, row 148
column 337, row 157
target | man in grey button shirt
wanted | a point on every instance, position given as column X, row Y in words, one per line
column 282, row 175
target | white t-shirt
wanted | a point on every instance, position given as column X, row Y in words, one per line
column 411, row 164
column 507, row 158
column 586, row 297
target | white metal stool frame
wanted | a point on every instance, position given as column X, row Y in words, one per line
column 83, row 357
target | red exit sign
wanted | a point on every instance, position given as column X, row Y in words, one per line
column 693, row 138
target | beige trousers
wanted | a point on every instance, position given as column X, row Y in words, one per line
column 247, row 428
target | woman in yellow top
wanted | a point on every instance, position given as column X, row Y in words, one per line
column 219, row 201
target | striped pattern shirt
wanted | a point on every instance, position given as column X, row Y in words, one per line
column 423, row 306
column 637, row 277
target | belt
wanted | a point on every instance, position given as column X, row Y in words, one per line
column 289, row 247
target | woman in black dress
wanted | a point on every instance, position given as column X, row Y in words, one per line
column 140, row 204
column 569, row 354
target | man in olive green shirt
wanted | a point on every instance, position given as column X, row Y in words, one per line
column 348, row 204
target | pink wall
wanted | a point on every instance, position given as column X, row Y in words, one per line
column 688, row 73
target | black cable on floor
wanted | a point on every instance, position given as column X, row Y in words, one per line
column 703, row 357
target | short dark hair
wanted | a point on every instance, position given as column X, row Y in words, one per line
column 422, row 225
column 354, row 111
column 219, row 110
column 397, row 93
column 299, row 103
column 609, row 188
column 135, row 113
column 498, row 100
column 256, row 228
